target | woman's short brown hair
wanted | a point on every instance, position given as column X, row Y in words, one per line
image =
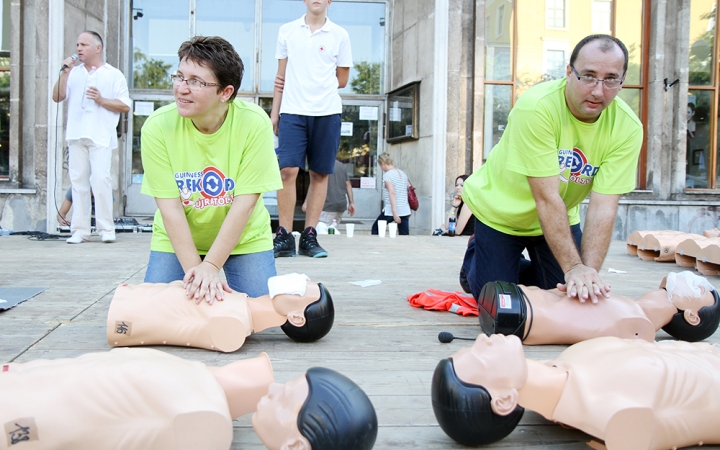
column 219, row 56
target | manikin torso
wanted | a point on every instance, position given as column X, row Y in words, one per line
column 122, row 399
column 673, row 388
column 224, row 325
column 558, row 319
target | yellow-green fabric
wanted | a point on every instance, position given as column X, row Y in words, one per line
column 544, row 139
column 207, row 171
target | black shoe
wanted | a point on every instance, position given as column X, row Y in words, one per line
column 309, row 245
column 283, row 243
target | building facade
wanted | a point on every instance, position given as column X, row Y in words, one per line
column 433, row 83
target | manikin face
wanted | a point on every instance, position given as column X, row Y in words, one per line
column 196, row 104
column 86, row 48
column 495, row 363
column 275, row 421
column 687, row 302
column 587, row 102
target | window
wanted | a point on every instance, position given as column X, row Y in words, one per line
column 529, row 53
column 555, row 14
column 701, row 170
column 602, row 16
column 500, row 18
column 555, row 63
column 402, row 113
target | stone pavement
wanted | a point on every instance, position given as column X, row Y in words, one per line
column 387, row 347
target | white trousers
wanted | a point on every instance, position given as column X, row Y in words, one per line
column 89, row 167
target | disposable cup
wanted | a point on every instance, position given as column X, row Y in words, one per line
column 382, row 226
column 350, row 229
column 392, row 229
column 296, row 235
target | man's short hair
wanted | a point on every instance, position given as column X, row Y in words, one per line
column 709, row 316
column 607, row 43
column 385, row 158
column 96, row 36
column 219, row 56
column 337, row 413
column 463, row 410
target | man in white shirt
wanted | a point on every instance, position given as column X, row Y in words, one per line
column 314, row 60
column 97, row 93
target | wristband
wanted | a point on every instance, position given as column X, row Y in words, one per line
column 216, row 267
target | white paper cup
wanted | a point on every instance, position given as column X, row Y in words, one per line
column 296, row 235
column 392, row 229
column 382, row 226
column 350, row 229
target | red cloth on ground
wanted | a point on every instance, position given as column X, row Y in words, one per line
column 437, row 300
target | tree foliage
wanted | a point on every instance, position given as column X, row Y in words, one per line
column 367, row 80
column 150, row 73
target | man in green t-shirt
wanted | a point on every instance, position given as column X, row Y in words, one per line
column 565, row 139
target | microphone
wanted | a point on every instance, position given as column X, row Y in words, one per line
column 65, row 66
column 446, row 336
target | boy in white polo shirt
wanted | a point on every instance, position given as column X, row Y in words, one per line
column 314, row 60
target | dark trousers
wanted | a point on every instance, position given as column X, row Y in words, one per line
column 495, row 256
column 403, row 226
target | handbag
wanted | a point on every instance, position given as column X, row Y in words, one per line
column 412, row 197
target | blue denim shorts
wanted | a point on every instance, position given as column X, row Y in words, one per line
column 312, row 138
column 244, row 273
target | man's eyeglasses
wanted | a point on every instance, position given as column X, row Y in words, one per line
column 194, row 84
column 591, row 81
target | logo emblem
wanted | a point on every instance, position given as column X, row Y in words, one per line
column 321, row 48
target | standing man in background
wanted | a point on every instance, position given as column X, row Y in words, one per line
column 97, row 93
column 339, row 196
column 314, row 60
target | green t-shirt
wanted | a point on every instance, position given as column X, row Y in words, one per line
column 544, row 139
column 208, row 171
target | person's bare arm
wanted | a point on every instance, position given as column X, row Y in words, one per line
column 343, row 75
column 60, row 89
column 178, row 230
column 393, row 201
column 351, row 201
column 581, row 281
column 205, row 282
column 599, row 222
column 278, row 94
column 462, row 220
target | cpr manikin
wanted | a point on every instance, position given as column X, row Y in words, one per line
column 631, row 394
column 686, row 306
column 161, row 314
column 146, row 399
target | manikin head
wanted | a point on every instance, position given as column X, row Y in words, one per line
column 474, row 392
column 697, row 303
column 320, row 410
column 310, row 324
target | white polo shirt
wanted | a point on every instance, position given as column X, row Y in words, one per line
column 93, row 121
column 311, row 85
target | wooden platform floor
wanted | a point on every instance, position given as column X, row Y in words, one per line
column 389, row 348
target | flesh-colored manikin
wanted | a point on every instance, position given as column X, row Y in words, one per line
column 161, row 314
column 140, row 399
column 631, row 394
column 556, row 318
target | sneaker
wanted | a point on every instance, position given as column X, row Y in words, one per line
column 283, row 243
column 309, row 245
column 108, row 237
column 77, row 238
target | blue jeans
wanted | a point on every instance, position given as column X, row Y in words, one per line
column 245, row 273
column 495, row 256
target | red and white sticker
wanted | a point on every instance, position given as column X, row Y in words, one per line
column 505, row 301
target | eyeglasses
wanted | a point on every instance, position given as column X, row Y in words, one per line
column 194, row 84
column 591, row 81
